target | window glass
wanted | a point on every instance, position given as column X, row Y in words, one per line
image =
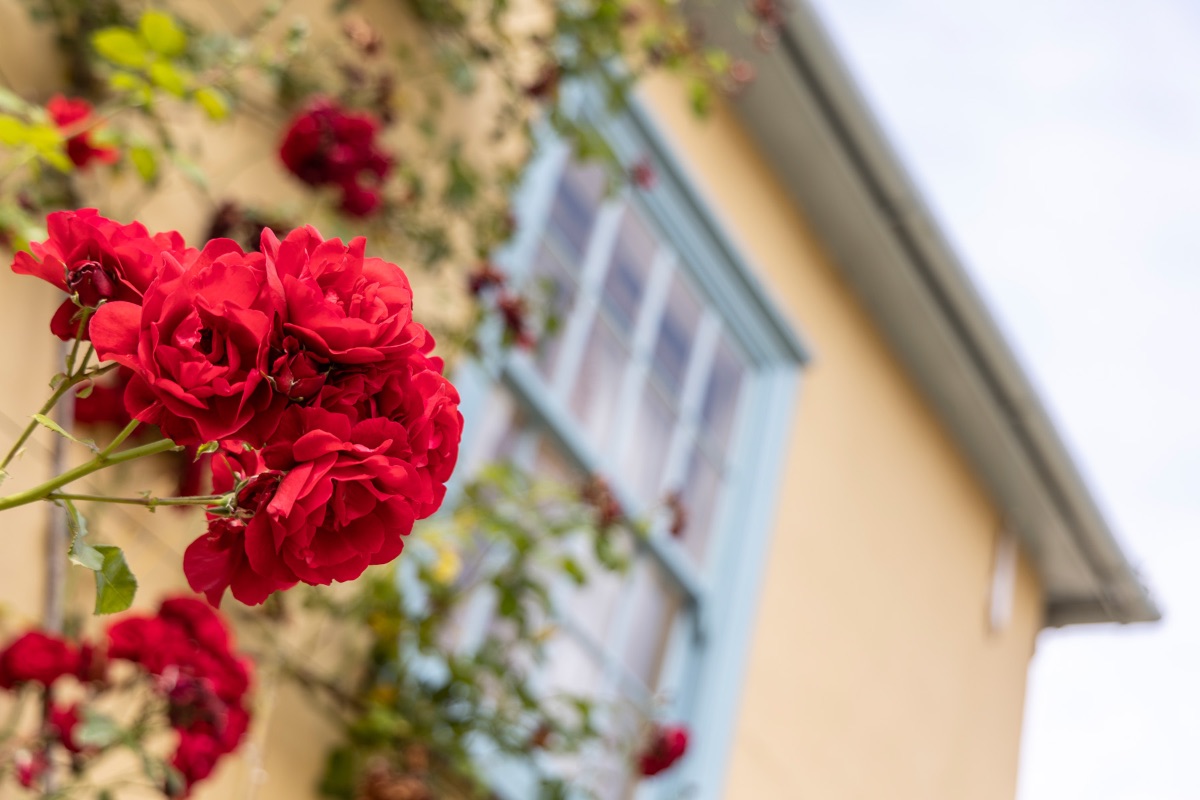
column 721, row 396
column 573, row 213
column 598, row 384
column 625, row 283
column 655, row 601
column 676, row 333
column 645, row 455
column 699, row 493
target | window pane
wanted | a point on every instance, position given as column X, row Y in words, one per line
column 646, row 454
column 570, row 668
column 626, row 280
column 700, row 490
column 655, row 601
column 552, row 280
column 599, row 382
column 579, row 194
column 675, row 337
column 721, row 396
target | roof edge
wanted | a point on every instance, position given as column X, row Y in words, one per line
column 811, row 120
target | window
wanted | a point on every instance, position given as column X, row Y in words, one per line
column 672, row 375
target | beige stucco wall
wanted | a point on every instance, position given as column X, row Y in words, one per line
column 873, row 673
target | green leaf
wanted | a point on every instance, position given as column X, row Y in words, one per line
column 80, row 553
column 13, row 132
column 46, row 422
column 574, row 570
column 214, row 102
column 10, row 101
column 127, row 82
column 121, row 46
column 97, row 730
column 115, row 582
column 207, row 447
column 162, row 33
column 145, row 162
column 167, row 77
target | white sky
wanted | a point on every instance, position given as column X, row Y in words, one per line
column 1058, row 142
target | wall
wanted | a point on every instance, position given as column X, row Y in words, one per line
column 872, row 672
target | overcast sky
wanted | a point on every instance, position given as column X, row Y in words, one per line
column 1058, row 142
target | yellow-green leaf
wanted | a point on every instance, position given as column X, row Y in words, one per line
column 115, row 582
column 214, row 102
column 162, row 33
column 13, row 132
column 121, row 46
column 145, row 162
column 167, row 77
column 122, row 81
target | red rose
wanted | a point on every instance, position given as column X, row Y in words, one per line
column 217, row 560
column 62, row 722
column 342, row 307
column 97, row 260
column 71, row 114
column 347, row 498
column 38, row 657
column 426, row 404
column 667, row 745
column 325, row 145
column 106, row 403
column 196, row 757
column 30, row 767
column 199, row 347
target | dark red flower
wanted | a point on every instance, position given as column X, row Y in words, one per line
column 62, row 722
column 31, row 766
column 74, row 116
column 545, row 85
column 515, row 315
column 97, row 260
column 342, row 307
column 485, row 276
column 326, row 145
column 199, row 347
column 38, row 657
column 106, row 403
column 642, row 174
column 188, row 648
column 666, row 745
column 347, row 498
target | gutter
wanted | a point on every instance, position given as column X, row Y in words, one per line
column 813, row 123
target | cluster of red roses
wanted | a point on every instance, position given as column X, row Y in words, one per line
column 302, row 361
column 326, row 145
column 188, row 652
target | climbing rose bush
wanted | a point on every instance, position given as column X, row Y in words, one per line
column 326, row 145
column 198, row 687
column 301, row 362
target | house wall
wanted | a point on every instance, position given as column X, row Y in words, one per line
column 873, row 671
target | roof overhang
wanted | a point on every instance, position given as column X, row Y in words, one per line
column 812, row 124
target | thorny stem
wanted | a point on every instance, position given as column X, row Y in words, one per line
column 148, row 502
column 125, row 433
column 43, row 490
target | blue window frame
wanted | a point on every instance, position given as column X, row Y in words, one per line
column 673, row 372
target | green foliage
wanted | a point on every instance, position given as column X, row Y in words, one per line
column 422, row 701
column 115, row 582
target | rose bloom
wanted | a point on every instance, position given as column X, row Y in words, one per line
column 62, row 722
column 342, row 497
column 667, row 745
column 199, row 346
column 217, row 560
column 37, row 657
column 189, row 648
column 71, row 114
column 343, row 308
column 326, row 145
column 97, row 260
